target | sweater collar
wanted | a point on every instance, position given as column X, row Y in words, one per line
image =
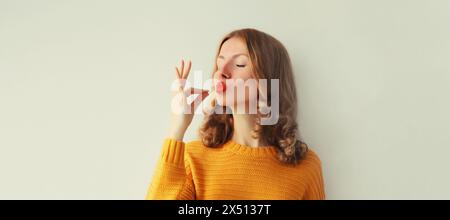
column 249, row 150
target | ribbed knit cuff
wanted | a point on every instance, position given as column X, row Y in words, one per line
column 173, row 151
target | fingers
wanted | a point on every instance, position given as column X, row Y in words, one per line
column 191, row 91
column 188, row 69
column 198, row 100
column 177, row 72
column 182, row 69
column 183, row 73
column 209, row 103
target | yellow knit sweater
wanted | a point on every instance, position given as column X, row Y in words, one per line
column 233, row 171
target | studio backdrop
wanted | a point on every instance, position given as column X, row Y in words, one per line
column 85, row 90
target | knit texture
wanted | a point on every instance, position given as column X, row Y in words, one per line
column 191, row 171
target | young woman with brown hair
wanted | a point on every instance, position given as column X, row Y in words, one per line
column 237, row 156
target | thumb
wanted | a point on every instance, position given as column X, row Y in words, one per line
column 202, row 96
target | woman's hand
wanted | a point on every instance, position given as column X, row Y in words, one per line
column 182, row 111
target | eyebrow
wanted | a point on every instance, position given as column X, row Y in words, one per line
column 236, row 55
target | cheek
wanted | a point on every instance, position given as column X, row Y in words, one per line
column 249, row 95
column 243, row 74
column 252, row 95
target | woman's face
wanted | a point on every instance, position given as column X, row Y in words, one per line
column 233, row 63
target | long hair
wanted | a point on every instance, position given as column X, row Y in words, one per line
column 270, row 60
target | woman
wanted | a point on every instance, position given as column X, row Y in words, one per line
column 237, row 156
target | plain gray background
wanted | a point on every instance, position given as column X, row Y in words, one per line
column 85, row 90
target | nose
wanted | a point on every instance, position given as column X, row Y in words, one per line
column 224, row 73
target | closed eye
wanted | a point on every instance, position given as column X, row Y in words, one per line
column 240, row 65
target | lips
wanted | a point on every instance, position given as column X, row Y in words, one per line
column 221, row 87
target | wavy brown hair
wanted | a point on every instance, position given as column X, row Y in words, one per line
column 270, row 60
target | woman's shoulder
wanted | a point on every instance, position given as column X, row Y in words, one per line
column 311, row 155
column 311, row 160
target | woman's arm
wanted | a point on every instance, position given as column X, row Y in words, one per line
column 172, row 178
column 315, row 189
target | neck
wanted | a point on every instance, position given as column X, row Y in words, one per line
column 243, row 125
